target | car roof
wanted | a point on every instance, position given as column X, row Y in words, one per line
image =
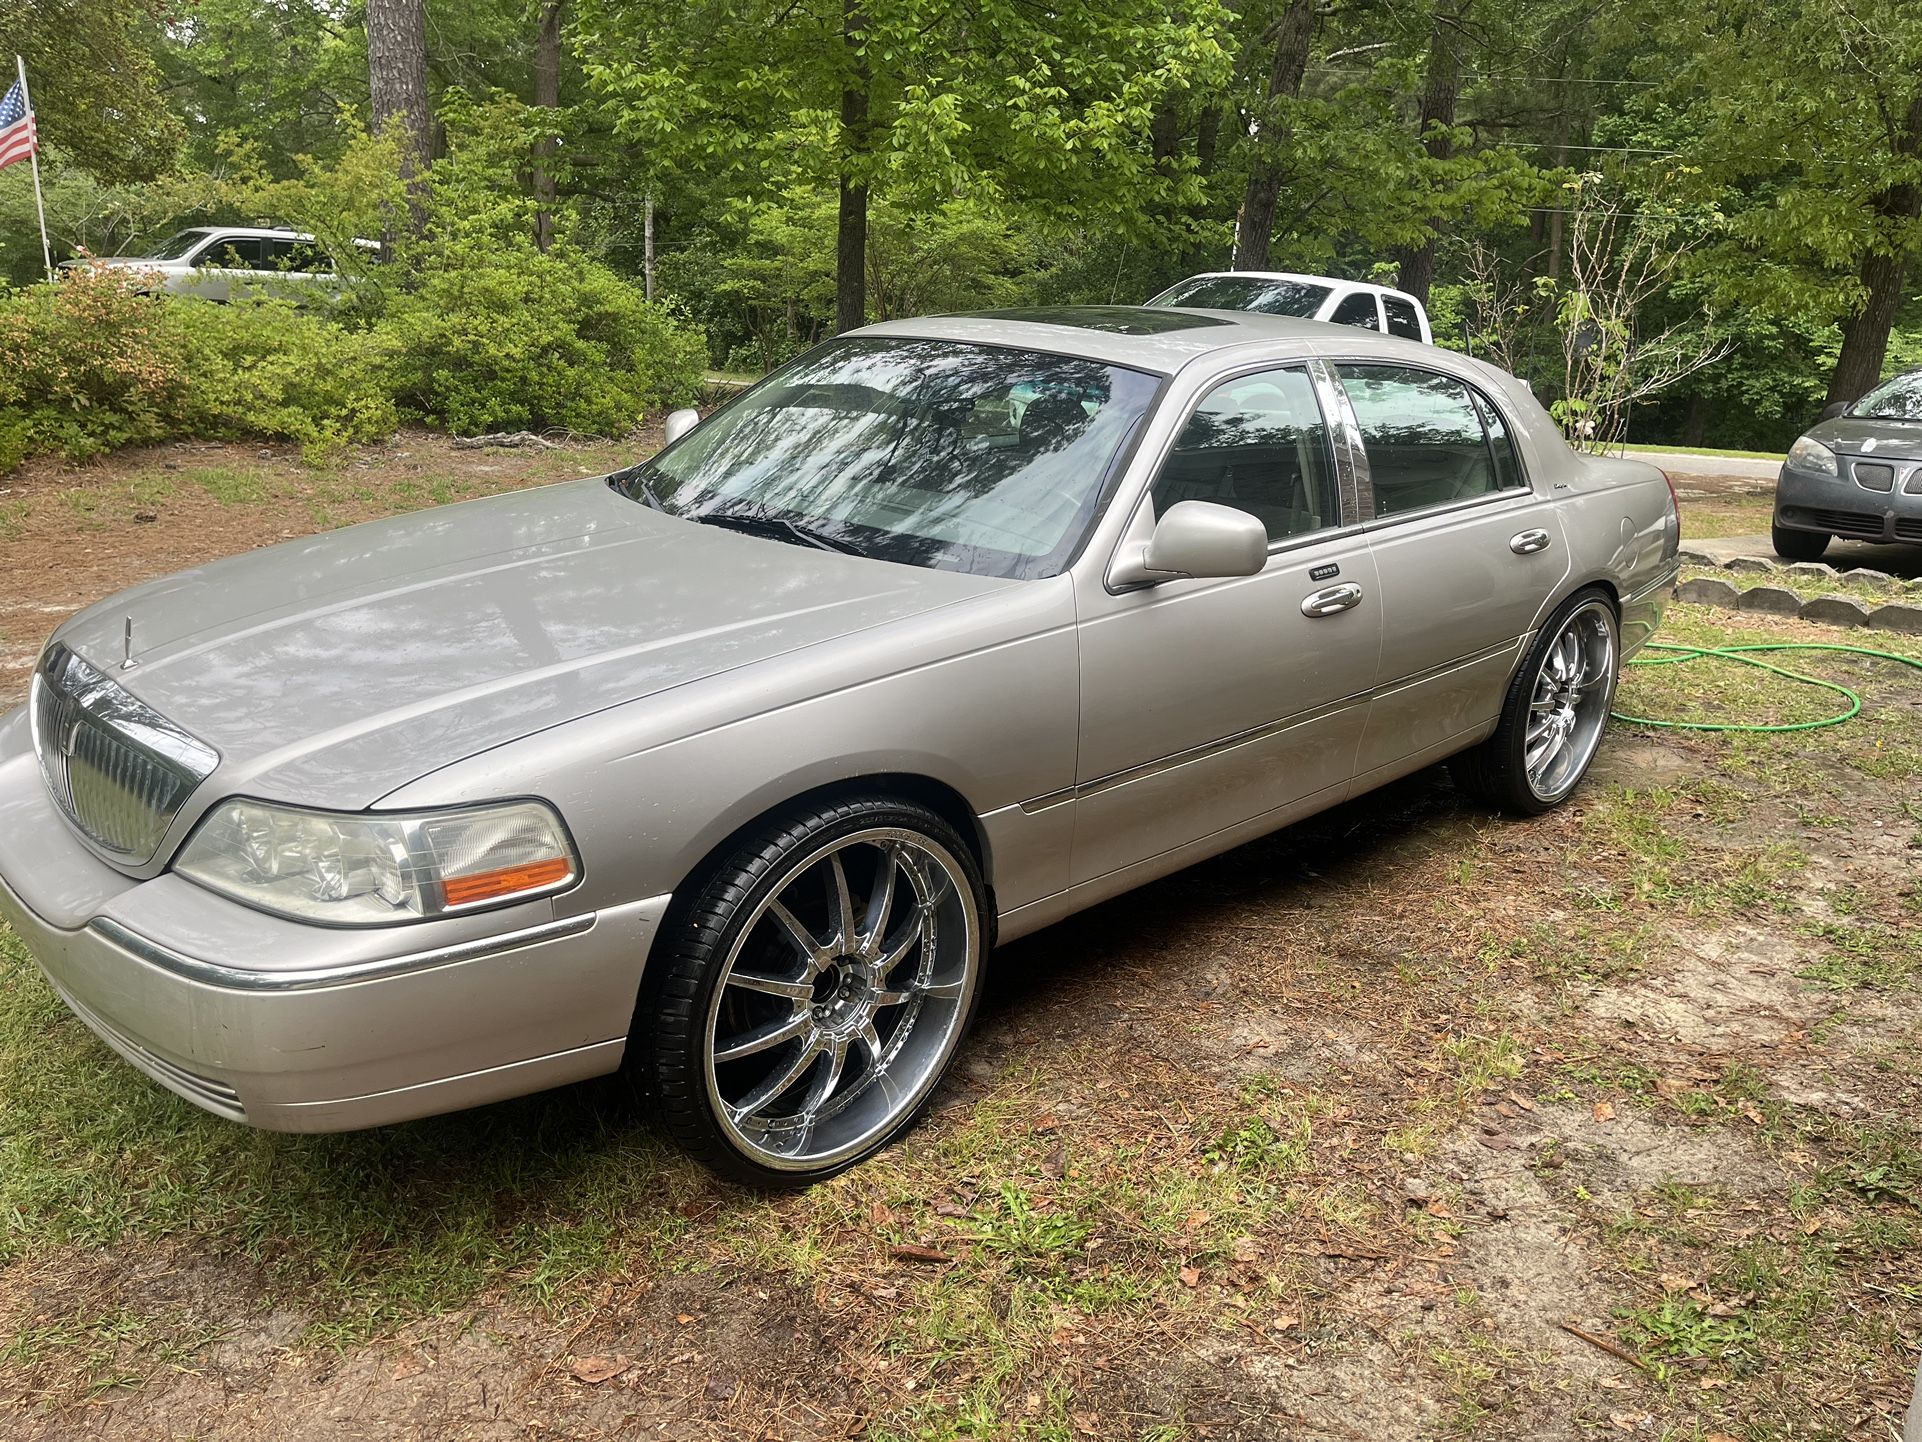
column 1143, row 337
column 261, row 232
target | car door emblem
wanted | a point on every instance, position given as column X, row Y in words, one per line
column 1323, row 573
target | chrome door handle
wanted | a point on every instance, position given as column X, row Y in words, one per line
column 1526, row 543
column 1336, row 598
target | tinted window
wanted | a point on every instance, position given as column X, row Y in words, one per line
column 235, row 253
column 930, row 452
column 1246, row 292
column 1257, row 443
column 299, row 255
column 1899, row 399
column 1423, row 437
column 1402, row 319
column 1358, row 309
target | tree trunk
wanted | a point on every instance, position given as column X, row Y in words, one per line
column 547, row 96
column 397, row 82
column 1255, row 223
column 1439, row 94
column 1865, row 338
column 851, row 235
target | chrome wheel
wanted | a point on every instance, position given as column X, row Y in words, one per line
column 842, row 998
column 1568, row 707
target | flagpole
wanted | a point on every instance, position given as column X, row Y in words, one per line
column 33, row 156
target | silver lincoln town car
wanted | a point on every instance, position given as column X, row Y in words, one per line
column 740, row 761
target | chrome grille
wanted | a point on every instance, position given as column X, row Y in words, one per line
column 119, row 769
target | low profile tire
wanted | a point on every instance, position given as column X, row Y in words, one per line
column 1555, row 712
column 811, row 996
column 1798, row 545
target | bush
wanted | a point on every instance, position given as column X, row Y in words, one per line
column 85, row 366
column 265, row 368
column 519, row 340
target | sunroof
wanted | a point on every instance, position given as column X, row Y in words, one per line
column 1114, row 319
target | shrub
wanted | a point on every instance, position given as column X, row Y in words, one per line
column 265, row 368
column 509, row 340
column 85, row 366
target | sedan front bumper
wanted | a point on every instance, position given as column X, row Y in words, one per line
column 301, row 1028
column 1873, row 499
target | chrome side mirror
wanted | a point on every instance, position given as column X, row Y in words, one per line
column 679, row 423
column 1196, row 540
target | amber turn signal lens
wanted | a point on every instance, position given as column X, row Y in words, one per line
column 492, row 885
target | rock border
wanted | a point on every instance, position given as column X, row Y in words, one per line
column 1782, row 600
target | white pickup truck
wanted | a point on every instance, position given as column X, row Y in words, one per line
column 1309, row 297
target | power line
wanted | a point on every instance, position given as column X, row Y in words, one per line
column 1487, row 75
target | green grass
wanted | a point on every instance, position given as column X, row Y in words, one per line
column 229, row 485
column 1775, row 456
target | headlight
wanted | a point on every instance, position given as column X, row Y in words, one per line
column 1808, row 455
column 366, row 869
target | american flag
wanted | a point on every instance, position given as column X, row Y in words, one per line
column 17, row 138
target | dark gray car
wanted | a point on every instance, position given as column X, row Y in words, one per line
column 1857, row 475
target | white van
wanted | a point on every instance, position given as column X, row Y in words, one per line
column 1311, row 297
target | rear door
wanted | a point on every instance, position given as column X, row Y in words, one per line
column 1210, row 703
column 1466, row 554
column 222, row 269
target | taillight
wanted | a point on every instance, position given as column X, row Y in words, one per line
column 1672, row 532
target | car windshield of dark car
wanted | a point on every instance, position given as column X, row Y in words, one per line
column 931, row 452
column 1246, row 292
column 176, row 247
column 1899, row 399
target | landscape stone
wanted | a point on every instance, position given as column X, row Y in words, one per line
column 1707, row 591
column 1748, row 563
column 1835, row 611
column 1863, row 575
column 1695, row 558
column 1906, row 619
column 1772, row 601
column 1811, row 570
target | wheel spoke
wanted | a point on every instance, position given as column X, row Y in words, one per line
column 840, row 903
column 763, row 1037
column 870, row 1038
column 821, row 1089
column 911, row 937
column 771, row 1090
column 793, row 990
column 874, row 920
column 803, row 940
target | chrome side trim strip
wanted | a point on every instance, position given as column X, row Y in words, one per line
column 243, row 978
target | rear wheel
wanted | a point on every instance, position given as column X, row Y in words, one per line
column 1798, row 545
column 1554, row 715
column 812, row 996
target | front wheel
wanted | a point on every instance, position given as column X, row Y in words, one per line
column 1554, row 715
column 811, row 997
column 1798, row 545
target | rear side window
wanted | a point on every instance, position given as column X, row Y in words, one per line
column 1257, row 443
column 1358, row 309
column 1425, row 438
column 1402, row 319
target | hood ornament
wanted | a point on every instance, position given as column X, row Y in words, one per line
column 128, row 663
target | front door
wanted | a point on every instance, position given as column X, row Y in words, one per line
column 1206, row 704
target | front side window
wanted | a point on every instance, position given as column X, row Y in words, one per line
column 1358, row 310
column 1899, row 399
column 1424, row 437
column 929, row 452
column 234, row 252
column 1257, row 443
column 1267, row 296
column 1402, row 319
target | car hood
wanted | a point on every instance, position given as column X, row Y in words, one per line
column 1851, row 436
column 334, row 669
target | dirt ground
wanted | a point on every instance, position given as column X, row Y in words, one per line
column 1408, row 1122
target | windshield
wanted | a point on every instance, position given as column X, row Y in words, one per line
column 1247, row 292
column 1899, row 399
column 176, row 247
column 931, row 452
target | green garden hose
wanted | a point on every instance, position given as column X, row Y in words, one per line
column 1685, row 654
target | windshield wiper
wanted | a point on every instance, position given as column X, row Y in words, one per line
column 755, row 523
column 632, row 483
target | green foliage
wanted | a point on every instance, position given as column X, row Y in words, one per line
column 492, row 341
